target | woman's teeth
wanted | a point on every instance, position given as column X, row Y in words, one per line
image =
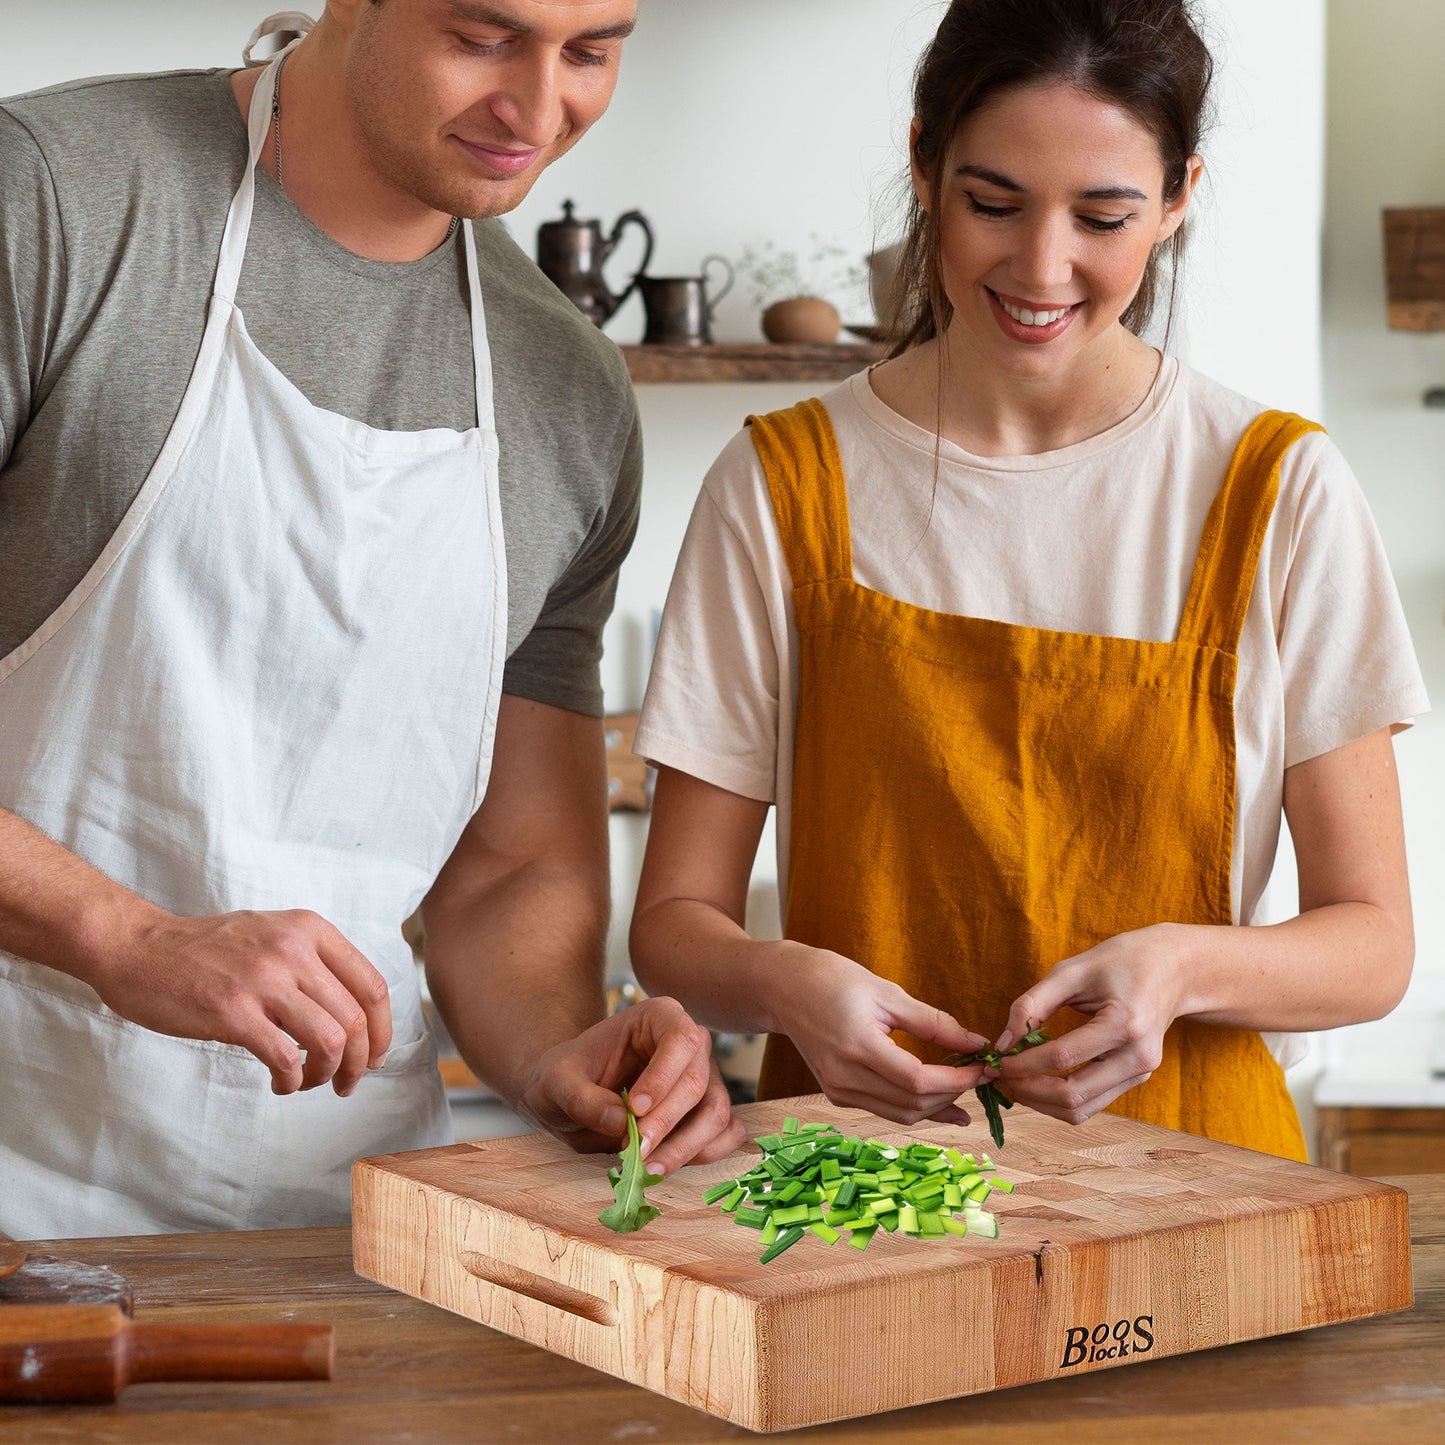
column 1034, row 318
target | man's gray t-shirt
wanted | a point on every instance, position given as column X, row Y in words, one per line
column 113, row 198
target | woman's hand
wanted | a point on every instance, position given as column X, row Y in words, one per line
column 664, row 1060
column 1130, row 987
column 839, row 1016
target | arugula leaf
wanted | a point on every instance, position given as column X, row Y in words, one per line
column 631, row 1210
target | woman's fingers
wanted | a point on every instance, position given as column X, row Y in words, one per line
column 888, row 1086
column 1081, row 1095
column 1075, row 1076
column 858, row 1065
column 952, row 1114
column 932, row 1025
column 1052, row 992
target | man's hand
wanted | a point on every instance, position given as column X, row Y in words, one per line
column 278, row 984
column 664, row 1060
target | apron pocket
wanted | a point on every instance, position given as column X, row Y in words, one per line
column 313, row 1139
column 110, row 1128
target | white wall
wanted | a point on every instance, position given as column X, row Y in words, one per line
column 1253, row 316
column 48, row 41
column 1386, row 147
column 784, row 119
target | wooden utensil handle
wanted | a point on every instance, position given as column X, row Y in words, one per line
column 12, row 1255
column 226, row 1352
column 545, row 1291
column 92, row 1352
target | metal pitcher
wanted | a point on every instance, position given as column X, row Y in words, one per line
column 679, row 312
column 571, row 252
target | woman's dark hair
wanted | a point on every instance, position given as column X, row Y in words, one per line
column 1144, row 56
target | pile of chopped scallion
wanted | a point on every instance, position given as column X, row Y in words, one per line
column 813, row 1179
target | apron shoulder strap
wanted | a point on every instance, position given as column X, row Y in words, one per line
column 1234, row 531
column 799, row 452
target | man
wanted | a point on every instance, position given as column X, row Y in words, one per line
column 270, row 675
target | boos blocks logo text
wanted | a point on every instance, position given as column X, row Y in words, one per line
column 1086, row 1346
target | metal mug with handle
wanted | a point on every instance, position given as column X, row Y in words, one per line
column 679, row 311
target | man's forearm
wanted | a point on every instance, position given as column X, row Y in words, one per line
column 55, row 908
column 516, row 966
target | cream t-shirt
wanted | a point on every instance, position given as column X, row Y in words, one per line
column 1100, row 537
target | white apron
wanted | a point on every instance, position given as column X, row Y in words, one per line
column 276, row 688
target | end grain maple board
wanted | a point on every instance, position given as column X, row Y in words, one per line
column 1122, row 1242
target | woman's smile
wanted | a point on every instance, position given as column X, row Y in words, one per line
column 1031, row 322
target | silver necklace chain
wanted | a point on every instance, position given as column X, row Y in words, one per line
column 276, row 119
column 276, row 126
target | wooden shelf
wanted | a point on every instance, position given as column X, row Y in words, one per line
column 759, row 361
column 1415, row 268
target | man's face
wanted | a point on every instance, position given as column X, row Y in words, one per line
column 463, row 103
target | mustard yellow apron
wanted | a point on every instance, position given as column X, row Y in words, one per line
column 974, row 801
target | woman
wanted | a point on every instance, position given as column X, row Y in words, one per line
column 1032, row 633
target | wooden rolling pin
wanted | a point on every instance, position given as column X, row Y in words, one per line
column 92, row 1352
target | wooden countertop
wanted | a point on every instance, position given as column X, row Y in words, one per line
column 409, row 1371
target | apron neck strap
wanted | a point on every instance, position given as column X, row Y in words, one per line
column 238, row 228
column 1234, row 531
column 284, row 22
column 481, row 350
column 238, row 222
column 799, row 452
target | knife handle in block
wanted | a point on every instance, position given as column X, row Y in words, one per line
column 92, row 1352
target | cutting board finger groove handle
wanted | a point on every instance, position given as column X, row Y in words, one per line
column 545, row 1291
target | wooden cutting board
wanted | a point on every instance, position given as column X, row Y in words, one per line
column 1122, row 1242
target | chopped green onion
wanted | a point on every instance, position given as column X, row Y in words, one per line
column 813, row 1180
column 786, row 1240
column 718, row 1191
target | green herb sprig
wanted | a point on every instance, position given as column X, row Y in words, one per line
column 630, row 1211
column 993, row 1099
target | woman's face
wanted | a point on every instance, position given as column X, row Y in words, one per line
column 1051, row 203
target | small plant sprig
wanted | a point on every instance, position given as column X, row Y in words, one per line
column 993, row 1099
column 777, row 275
column 630, row 1211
